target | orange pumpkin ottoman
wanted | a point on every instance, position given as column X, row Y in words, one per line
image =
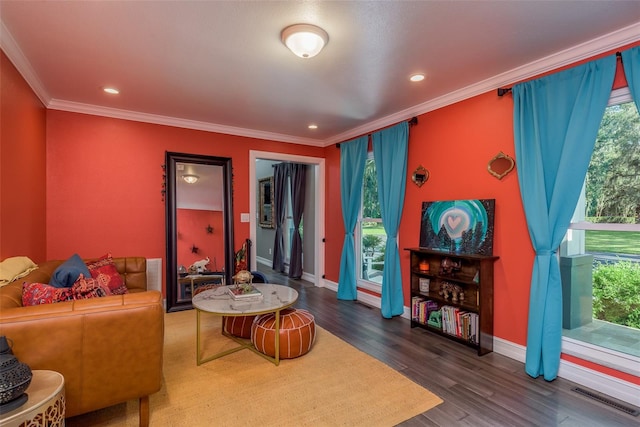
column 297, row 333
column 239, row 326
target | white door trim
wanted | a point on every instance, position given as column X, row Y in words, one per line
column 319, row 190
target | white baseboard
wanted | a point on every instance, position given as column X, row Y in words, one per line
column 602, row 383
column 264, row 261
column 308, row 277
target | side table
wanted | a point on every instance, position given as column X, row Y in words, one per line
column 45, row 406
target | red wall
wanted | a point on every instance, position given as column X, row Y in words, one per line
column 192, row 231
column 103, row 182
column 104, row 178
column 22, row 167
column 455, row 144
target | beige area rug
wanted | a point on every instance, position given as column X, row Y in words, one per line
column 334, row 384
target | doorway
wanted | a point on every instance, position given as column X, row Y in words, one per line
column 314, row 223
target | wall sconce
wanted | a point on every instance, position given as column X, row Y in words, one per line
column 305, row 40
column 190, row 179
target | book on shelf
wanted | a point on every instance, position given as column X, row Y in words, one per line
column 421, row 307
column 460, row 323
column 241, row 293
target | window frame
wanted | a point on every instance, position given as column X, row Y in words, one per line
column 597, row 354
column 360, row 282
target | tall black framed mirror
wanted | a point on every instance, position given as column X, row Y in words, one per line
column 199, row 227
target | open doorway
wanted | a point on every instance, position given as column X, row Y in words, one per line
column 260, row 168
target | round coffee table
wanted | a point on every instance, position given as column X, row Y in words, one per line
column 219, row 301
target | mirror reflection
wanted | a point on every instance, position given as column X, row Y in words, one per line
column 266, row 205
column 198, row 227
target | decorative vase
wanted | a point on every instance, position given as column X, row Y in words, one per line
column 15, row 378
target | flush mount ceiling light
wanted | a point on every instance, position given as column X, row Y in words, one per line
column 190, row 179
column 417, row 77
column 111, row 90
column 305, row 40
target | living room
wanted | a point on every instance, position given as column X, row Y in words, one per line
column 91, row 184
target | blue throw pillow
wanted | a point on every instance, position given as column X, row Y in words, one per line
column 68, row 272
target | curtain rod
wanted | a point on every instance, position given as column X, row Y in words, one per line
column 505, row 90
column 413, row 121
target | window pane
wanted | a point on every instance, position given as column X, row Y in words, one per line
column 372, row 235
column 372, row 250
column 601, row 268
column 613, row 181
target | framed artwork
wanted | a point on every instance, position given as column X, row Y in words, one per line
column 265, row 190
column 458, row 226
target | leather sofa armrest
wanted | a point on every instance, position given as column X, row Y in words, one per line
column 108, row 349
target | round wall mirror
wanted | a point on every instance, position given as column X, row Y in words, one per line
column 420, row 176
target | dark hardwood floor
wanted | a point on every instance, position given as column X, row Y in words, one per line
column 492, row 390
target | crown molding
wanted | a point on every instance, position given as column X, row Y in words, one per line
column 605, row 43
column 14, row 53
column 96, row 110
column 586, row 50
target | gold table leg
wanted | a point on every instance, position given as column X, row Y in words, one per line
column 243, row 343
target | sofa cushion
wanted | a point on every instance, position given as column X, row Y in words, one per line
column 104, row 271
column 68, row 272
column 85, row 288
column 42, row 293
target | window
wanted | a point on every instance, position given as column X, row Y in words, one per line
column 600, row 256
column 371, row 237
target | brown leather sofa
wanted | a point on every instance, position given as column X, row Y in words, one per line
column 108, row 349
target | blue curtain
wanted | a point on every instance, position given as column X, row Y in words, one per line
column 353, row 155
column 390, row 147
column 631, row 65
column 556, row 120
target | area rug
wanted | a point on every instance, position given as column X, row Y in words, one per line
column 334, row 384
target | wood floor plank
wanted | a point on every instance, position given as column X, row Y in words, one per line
column 492, row 390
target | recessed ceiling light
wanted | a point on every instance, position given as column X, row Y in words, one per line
column 417, row 77
column 111, row 90
column 313, row 126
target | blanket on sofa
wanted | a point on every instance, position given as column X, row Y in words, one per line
column 13, row 268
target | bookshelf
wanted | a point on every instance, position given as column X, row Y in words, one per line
column 452, row 295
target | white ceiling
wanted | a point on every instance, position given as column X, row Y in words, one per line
column 220, row 65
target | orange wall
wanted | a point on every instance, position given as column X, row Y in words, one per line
column 22, row 167
column 191, row 225
column 103, row 182
column 104, row 178
column 454, row 144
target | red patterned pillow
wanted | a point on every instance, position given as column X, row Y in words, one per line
column 104, row 271
column 89, row 288
column 41, row 293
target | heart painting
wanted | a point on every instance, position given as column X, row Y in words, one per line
column 460, row 226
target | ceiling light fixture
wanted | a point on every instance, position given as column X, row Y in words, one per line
column 111, row 90
column 313, row 126
column 305, row 40
column 190, row 179
column 417, row 77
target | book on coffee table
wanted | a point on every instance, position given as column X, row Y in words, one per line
column 242, row 294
